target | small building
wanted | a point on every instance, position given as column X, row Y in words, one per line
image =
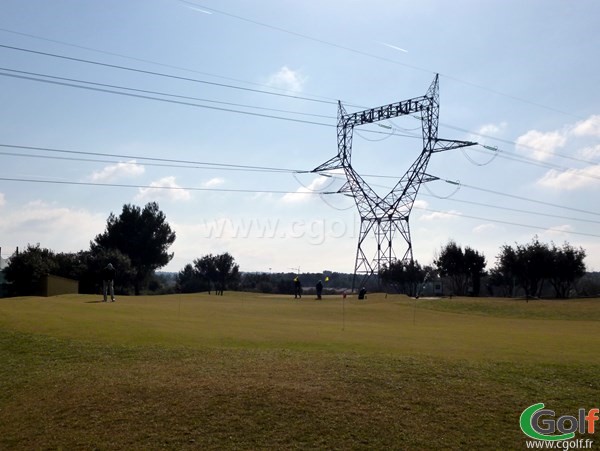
column 3, row 264
column 54, row 285
column 432, row 287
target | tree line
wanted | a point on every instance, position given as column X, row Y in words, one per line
column 137, row 243
column 526, row 269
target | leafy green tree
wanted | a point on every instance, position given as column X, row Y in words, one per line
column 143, row 235
column 530, row 265
column 205, row 267
column 405, row 277
column 90, row 280
column 227, row 272
column 464, row 268
column 189, row 280
column 258, row 282
column 534, row 261
column 219, row 271
column 26, row 269
column 450, row 263
column 474, row 264
column 566, row 268
column 503, row 280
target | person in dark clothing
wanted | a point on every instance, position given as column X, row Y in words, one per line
column 297, row 288
column 319, row 288
column 108, row 282
column 362, row 294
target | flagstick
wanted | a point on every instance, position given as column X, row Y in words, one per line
column 415, row 312
column 343, row 312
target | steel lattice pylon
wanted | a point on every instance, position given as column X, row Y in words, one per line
column 385, row 217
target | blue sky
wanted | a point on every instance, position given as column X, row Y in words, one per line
column 519, row 75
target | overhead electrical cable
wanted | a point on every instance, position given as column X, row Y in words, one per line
column 220, row 166
column 489, row 191
column 49, row 79
column 272, row 169
column 175, row 188
column 526, row 146
column 500, row 221
column 156, row 63
column 243, row 88
column 145, row 91
column 159, row 74
column 139, row 157
column 517, row 210
column 233, row 190
column 138, row 163
column 178, row 102
column 378, row 57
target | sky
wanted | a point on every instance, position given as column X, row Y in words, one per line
column 219, row 110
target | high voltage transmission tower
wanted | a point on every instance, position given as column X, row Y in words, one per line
column 386, row 217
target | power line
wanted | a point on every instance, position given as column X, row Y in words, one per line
column 136, row 163
column 174, row 188
column 507, row 141
column 178, row 102
column 144, row 91
column 221, row 85
column 552, row 229
column 512, row 196
column 50, row 79
column 232, row 190
column 486, row 190
column 517, row 210
column 381, row 58
column 235, row 167
column 274, row 169
column 147, row 61
column 162, row 160
column 159, row 74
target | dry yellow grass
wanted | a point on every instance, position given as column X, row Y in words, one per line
column 267, row 372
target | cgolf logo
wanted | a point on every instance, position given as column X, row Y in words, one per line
column 540, row 424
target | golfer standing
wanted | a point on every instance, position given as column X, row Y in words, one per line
column 108, row 281
column 297, row 288
column 319, row 288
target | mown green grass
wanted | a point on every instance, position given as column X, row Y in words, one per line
column 267, row 372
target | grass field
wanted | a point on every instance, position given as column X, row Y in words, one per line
column 250, row 371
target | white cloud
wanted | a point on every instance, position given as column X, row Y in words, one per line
column 165, row 188
column 492, row 129
column 287, row 79
column 540, row 145
column 437, row 215
column 116, row 171
column 488, row 130
column 588, row 127
column 418, row 203
column 484, row 228
column 590, row 152
column 2, row 200
column 58, row 228
column 572, row 179
column 217, row 181
column 558, row 231
column 303, row 193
